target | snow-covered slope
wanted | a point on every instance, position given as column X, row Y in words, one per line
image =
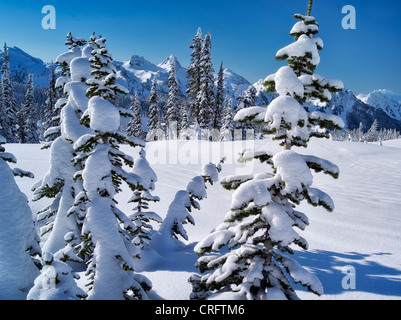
column 384, row 99
column 353, row 111
column 21, row 64
column 361, row 235
column 137, row 73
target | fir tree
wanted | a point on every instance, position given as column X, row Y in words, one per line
column 134, row 127
column 106, row 244
column 260, row 227
column 9, row 105
column 227, row 128
column 141, row 198
column 205, row 97
column 56, row 282
column 59, row 184
column 172, row 106
column 64, row 61
column 372, row 134
column 28, row 128
column 194, row 73
column 179, row 212
column 219, row 100
column 154, row 110
column 49, row 113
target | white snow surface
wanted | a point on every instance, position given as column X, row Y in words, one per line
column 363, row 232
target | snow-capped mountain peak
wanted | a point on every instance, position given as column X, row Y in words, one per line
column 384, row 99
column 167, row 63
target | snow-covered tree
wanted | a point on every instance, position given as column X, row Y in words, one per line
column 27, row 124
column 19, row 242
column 172, row 106
column 64, row 61
column 219, row 100
column 59, row 183
column 205, row 97
column 134, row 126
column 154, row 122
column 372, row 134
column 9, row 118
column 49, row 112
column 246, row 256
column 141, row 198
column 56, row 281
column 227, row 128
column 194, row 72
column 180, row 209
column 106, row 244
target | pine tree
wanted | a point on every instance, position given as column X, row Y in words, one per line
column 134, row 127
column 219, row 100
column 372, row 134
column 106, row 244
column 19, row 242
column 59, row 184
column 194, row 73
column 154, row 110
column 260, row 227
column 56, row 282
column 227, row 128
column 141, row 198
column 172, row 106
column 179, row 212
column 64, row 61
column 28, row 128
column 205, row 97
column 9, row 105
column 49, row 113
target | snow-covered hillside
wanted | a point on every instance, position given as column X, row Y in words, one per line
column 362, row 234
column 386, row 100
column 22, row 63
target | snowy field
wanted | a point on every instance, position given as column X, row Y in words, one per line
column 362, row 235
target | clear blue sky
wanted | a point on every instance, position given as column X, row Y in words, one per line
column 245, row 34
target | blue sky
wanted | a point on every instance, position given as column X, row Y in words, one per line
column 245, row 34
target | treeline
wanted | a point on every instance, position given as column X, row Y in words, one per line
column 372, row 135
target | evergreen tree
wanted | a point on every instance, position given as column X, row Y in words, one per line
column 194, row 73
column 219, row 101
column 179, row 212
column 19, row 243
column 141, row 198
column 56, row 282
column 109, row 251
column 28, row 128
column 59, row 184
column 372, row 134
column 227, row 128
column 154, row 110
column 64, row 61
column 9, row 105
column 205, row 97
column 49, row 113
column 259, row 229
column 172, row 106
column 134, row 127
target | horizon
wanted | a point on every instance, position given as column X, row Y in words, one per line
column 245, row 36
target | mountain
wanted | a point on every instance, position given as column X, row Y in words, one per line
column 21, row 64
column 353, row 111
column 137, row 74
column 384, row 99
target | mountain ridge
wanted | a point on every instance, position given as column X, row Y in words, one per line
column 137, row 74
